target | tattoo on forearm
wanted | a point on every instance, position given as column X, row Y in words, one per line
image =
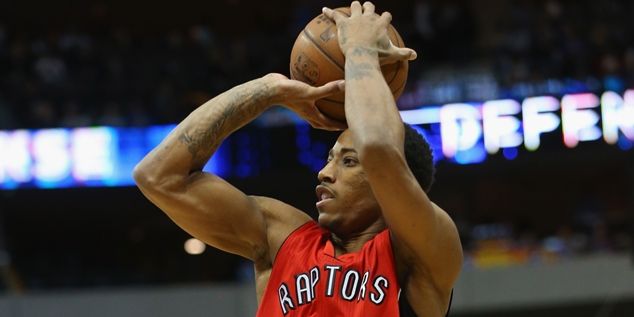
column 240, row 107
column 344, row 38
column 362, row 51
column 201, row 142
column 356, row 71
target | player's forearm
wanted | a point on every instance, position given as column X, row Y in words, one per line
column 192, row 143
column 205, row 128
column 371, row 111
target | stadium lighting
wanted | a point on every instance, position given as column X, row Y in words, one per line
column 194, row 246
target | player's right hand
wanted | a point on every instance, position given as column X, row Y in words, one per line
column 365, row 32
column 300, row 97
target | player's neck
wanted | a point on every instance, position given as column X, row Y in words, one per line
column 355, row 241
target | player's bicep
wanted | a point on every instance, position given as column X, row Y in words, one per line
column 405, row 206
column 215, row 212
column 425, row 235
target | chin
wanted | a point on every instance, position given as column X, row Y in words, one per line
column 325, row 221
column 322, row 219
column 330, row 223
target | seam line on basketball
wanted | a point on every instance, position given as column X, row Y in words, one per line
column 321, row 50
column 398, row 68
column 402, row 86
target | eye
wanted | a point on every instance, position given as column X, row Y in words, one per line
column 349, row 161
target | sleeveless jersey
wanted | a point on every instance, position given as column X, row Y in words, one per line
column 308, row 280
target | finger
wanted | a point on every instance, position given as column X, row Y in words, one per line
column 326, row 90
column 342, row 85
column 355, row 9
column 404, row 53
column 395, row 54
column 400, row 53
column 368, row 8
column 332, row 14
column 386, row 18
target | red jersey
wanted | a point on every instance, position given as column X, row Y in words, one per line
column 308, row 280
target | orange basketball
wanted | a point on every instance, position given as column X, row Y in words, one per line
column 317, row 59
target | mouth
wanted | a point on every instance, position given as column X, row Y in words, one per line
column 324, row 194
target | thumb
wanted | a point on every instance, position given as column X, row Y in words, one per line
column 341, row 85
column 406, row 53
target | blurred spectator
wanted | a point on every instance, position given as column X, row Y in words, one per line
column 50, row 69
column 73, row 117
column 80, row 66
column 111, row 115
column 42, row 113
column 7, row 120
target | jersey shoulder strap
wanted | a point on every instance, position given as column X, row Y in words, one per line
column 298, row 239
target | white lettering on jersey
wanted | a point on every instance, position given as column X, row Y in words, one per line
column 285, row 300
column 363, row 283
column 353, row 285
column 302, row 286
column 330, row 287
column 378, row 297
column 349, row 289
column 314, row 278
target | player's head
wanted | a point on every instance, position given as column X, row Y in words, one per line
column 346, row 202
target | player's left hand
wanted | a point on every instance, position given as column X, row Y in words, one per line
column 300, row 97
column 365, row 31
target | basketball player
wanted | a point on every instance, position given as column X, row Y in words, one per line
column 380, row 247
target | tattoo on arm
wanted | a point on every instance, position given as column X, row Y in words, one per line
column 342, row 30
column 359, row 70
column 356, row 71
column 204, row 136
column 202, row 142
column 362, row 51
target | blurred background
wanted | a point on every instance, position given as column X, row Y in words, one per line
column 529, row 106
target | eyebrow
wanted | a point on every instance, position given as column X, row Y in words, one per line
column 343, row 150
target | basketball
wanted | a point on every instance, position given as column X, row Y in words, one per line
column 316, row 59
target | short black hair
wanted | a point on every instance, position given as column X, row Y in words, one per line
column 419, row 157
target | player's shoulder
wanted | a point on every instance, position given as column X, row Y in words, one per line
column 278, row 211
column 281, row 220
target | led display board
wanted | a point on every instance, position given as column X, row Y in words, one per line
column 462, row 133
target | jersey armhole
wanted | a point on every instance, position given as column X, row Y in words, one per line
column 291, row 235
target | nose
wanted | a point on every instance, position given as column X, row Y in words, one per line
column 327, row 173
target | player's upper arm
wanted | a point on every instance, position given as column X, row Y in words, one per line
column 424, row 235
column 217, row 213
column 212, row 210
